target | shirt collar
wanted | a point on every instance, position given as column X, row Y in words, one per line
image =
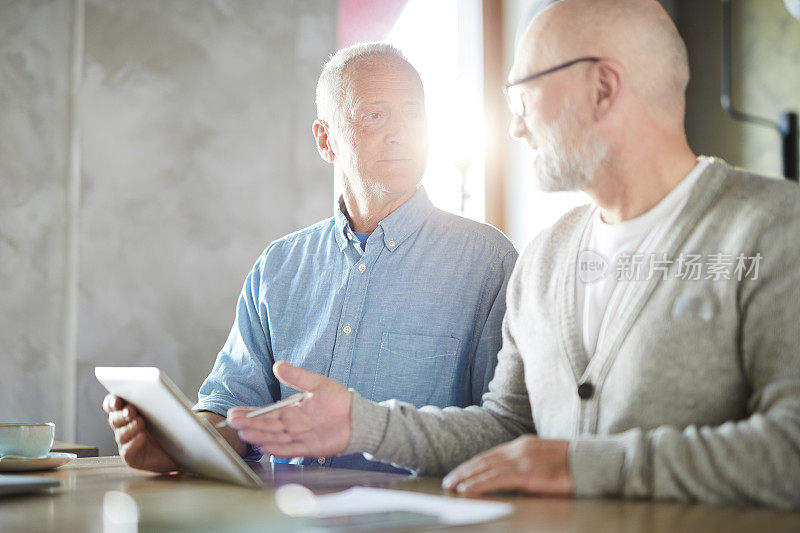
column 344, row 235
column 396, row 228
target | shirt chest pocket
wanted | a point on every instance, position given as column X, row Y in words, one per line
column 418, row 369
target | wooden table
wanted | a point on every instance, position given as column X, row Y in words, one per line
column 183, row 503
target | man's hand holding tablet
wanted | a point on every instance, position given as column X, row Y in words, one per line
column 136, row 446
column 139, row 448
column 314, row 423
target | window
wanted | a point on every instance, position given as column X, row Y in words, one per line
column 444, row 41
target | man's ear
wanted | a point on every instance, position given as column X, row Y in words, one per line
column 321, row 129
column 607, row 79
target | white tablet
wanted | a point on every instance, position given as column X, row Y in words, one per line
column 190, row 440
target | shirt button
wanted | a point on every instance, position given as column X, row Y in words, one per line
column 391, row 243
column 347, row 330
column 362, row 267
column 349, row 235
column 585, row 390
column 321, row 460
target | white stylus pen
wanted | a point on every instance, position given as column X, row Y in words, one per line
column 291, row 400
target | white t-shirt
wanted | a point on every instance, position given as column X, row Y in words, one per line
column 598, row 296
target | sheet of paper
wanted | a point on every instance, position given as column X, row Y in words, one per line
column 451, row 511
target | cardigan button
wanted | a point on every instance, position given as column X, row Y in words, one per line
column 585, row 390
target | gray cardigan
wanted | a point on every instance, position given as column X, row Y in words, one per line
column 695, row 389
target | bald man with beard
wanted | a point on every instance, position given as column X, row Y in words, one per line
column 675, row 378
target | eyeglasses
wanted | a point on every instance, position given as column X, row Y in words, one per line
column 513, row 91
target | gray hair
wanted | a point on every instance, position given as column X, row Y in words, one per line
column 331, row 83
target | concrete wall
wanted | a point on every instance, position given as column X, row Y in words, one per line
column 34, row 68
column 196, row 151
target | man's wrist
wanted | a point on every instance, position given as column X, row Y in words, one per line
column 597, row 466
column 368, row 421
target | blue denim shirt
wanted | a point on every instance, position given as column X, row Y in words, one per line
column 417, row 316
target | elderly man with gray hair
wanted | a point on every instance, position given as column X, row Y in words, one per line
column 650, row 347
column 391, row 297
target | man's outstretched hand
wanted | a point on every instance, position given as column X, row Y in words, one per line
column 318, row 425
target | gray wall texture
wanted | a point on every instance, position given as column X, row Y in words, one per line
column 34, row 67
column 196, row 151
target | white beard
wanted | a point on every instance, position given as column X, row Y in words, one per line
column 561, row 166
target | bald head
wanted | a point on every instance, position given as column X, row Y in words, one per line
column 637, row 33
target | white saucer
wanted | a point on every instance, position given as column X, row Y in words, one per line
column 18, row 463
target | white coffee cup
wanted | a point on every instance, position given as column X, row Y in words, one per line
column 30, row 440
